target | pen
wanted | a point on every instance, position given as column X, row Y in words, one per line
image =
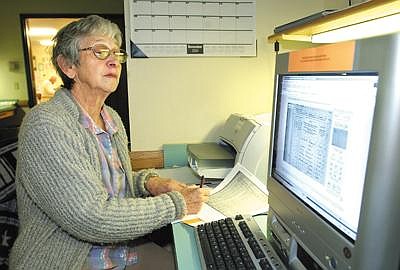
column 201, row 181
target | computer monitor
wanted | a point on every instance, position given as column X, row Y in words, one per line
column 334, row 163
column 323, row 129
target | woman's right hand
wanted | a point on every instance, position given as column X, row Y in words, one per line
column 194, row 198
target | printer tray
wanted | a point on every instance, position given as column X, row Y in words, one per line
column 210, row 160
column 211, row 155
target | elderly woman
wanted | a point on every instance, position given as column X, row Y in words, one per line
column 79, row 202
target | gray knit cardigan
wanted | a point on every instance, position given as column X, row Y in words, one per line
column 63, row 206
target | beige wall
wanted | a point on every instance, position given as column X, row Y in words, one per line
column 172, row 100
column 13, row 83
column 186, row 100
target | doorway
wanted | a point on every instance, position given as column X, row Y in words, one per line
column 42, row 79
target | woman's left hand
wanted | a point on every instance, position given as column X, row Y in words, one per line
column 157, row 185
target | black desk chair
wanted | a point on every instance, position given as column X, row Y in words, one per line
column 8, row 203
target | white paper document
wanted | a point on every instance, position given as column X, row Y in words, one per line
column 239, row 193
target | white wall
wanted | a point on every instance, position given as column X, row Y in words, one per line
column 186, row 100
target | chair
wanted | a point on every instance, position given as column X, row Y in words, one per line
column 8, row 203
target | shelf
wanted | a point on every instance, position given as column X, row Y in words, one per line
column 363, row 12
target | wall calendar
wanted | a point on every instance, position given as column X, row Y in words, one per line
column 178, row 28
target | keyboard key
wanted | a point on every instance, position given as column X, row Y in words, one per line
column 265, row 265
column 238, row 217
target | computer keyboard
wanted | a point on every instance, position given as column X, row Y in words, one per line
column 235, row 243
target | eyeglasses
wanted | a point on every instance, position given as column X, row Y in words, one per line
column 102, row 52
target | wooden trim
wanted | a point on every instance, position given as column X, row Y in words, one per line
column 6, row 114
column 147, row 159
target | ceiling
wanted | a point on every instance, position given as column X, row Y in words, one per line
column 56, row 23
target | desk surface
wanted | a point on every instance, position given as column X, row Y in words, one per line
column 186, row 252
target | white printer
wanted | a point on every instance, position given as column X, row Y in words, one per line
column 244, row 139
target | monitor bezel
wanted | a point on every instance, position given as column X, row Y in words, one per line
column 279, row 79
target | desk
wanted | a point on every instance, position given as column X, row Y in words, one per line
column 186, row 253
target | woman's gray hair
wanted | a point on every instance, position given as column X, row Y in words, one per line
column 67, row 40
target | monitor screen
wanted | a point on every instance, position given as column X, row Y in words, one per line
column 322, row 133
